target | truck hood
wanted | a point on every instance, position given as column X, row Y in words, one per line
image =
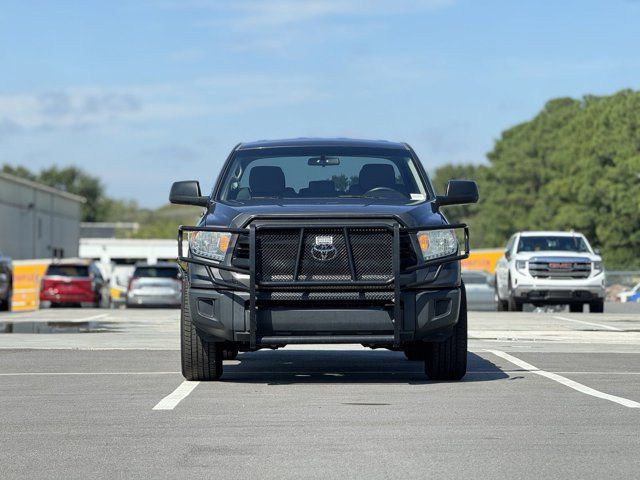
column 412, row 215
column 558, row 256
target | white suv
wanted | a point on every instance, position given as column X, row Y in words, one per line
column 550, row 268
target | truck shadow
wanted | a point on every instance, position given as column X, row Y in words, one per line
column 343, row 366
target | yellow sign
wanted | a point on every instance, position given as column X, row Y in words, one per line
column 26, row 284
column 483, row 259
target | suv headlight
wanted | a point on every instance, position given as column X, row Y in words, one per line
column 437, row 243
column 597, row 267
column 212, row 245
column 521, row 265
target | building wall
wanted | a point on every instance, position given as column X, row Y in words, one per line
column 37, row 221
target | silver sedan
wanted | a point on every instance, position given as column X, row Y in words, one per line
column 480, row 286
column 157, row 284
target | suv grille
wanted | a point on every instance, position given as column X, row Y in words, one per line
column 371, row 248
column 559, row 270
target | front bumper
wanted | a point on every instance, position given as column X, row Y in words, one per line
column 226, row 316
column 418, row 307
column 143, row 299
column 68, row 298
column 559, row 291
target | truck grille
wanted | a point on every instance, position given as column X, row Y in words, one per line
column 277, row 250
column 559, row 269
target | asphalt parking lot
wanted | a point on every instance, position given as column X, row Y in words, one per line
column 98, row 394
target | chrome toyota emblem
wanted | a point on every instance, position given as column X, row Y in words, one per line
column 323, row 250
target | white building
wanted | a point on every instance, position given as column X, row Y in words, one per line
column 37, row 221
column 128, row 250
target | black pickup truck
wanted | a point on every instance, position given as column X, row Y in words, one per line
column 311, row 241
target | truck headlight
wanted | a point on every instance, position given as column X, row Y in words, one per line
column 437, row 243
column 521, row 265
column 597, row 267
column 212, row 245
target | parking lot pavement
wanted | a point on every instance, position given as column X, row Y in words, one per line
column 73, row 408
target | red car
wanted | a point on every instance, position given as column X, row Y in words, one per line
column 74, row 283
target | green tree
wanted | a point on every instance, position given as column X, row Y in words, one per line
column 19, row 171
column 75, row 180
column 574, row 166
column 439, row 180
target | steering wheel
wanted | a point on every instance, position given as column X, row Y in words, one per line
column 383, row 192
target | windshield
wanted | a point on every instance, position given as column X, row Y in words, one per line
column 322, row 172
column 68, row 270
column 562, row 244
column 157, row 272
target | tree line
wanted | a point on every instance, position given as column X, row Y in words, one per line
column 575, row 165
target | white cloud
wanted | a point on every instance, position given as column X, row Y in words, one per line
column 84, row 107
column 277, row 26
column 276, row 13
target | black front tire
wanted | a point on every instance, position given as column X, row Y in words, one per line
column 448, row 360
column 201, row 359
column 576, row 308
column 514, row 305
column 5, row 305
column 501, row 305
column 596, row 307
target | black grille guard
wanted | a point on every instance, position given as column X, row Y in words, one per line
column 255, row 286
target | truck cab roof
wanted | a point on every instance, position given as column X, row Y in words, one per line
column 326, row 142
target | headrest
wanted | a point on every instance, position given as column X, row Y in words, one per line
column 266, row 181
column 373, row 175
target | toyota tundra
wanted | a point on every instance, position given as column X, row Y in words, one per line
column 312, row 241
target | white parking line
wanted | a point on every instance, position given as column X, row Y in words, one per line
column 565, row 381
column 174, row 398
column 22, row 374
column 606, row 327
column 41, row 318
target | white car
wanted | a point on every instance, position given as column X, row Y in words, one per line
column 550, row 268
column 632, row 295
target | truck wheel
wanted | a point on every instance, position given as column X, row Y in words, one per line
column 576, row 308
column 201, row 359
column 5, row 305
column 448, row 360
column 416, row 351
column 597, row 306
column 514, row 305
column 501, row 305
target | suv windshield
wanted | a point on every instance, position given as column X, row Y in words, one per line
column 68, row 270
column 562, row 244
column 157, row 272
column 322, row 172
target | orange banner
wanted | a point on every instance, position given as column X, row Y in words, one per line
column 485, row 259
column 26, row 284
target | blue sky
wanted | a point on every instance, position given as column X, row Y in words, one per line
column 143, row 93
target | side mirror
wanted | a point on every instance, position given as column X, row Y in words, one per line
column 597, row 251
column 507, row 254
column 459, row 192
column 187, row 193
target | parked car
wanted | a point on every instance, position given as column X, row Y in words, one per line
column 632, row 295
column 481, row 290
column 550, row 268
column 158, row 284
column 6, row 282
column 119, row 283
column 73, row 283
column 324, row 241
